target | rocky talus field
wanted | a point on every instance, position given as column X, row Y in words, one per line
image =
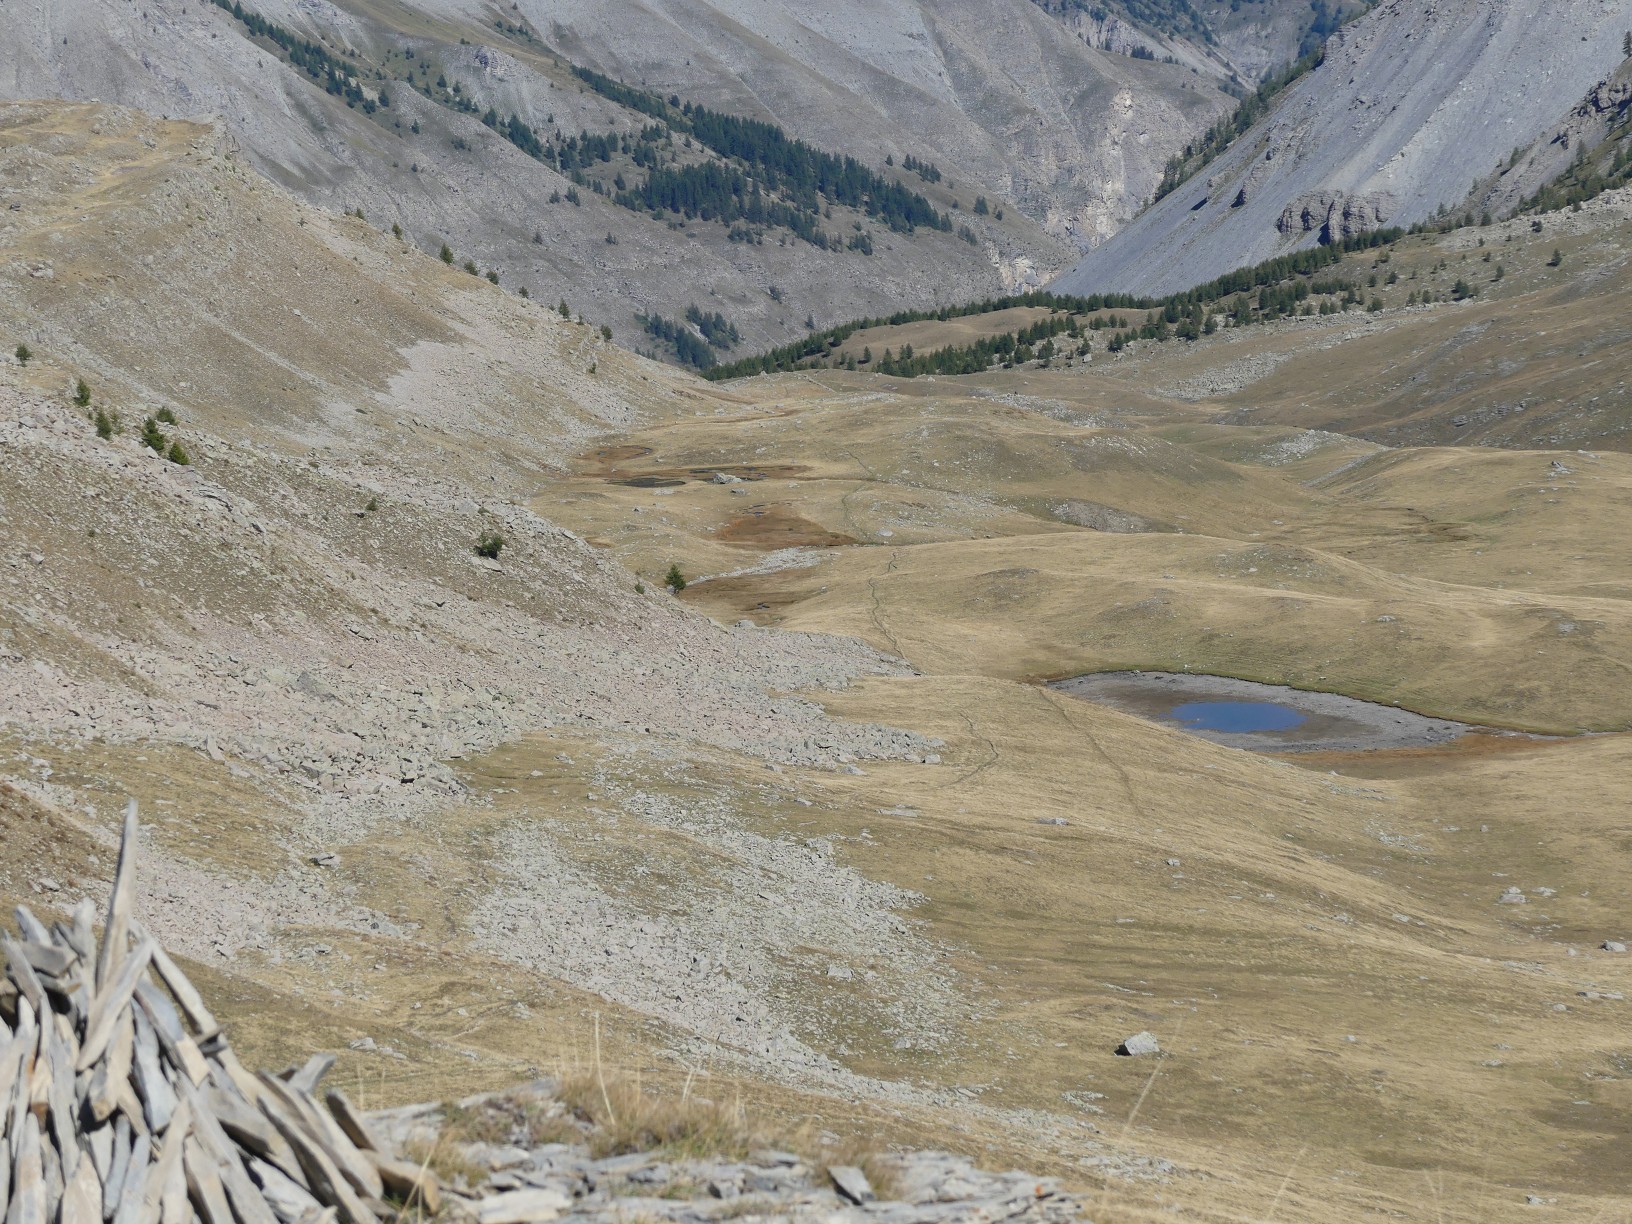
column 354, row 571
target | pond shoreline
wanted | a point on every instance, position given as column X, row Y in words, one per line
column 1330, row 722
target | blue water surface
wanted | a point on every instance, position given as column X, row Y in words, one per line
column 1238, row 717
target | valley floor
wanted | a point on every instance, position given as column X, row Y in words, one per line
column 814, row 833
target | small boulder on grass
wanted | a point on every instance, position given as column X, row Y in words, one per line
column 1139, row 1045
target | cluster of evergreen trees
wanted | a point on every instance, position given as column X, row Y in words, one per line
column 335, row 75
column 928, row 171
column 1590, row 176
column 800, row 173
column 716, row 328
column 1272, row 289
column 718, row 332
column 688, row 347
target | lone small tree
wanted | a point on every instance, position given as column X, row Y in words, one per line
column 82, row 393
column 107, row 423
column 447, row 254
column 1557, row 259
column 24, row 354
column 153, row 437
column 675, row 580
column 177, row 455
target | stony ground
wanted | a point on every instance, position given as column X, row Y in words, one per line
column 572, row 1177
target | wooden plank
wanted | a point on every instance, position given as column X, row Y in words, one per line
column 288, row 1197
column 175, row 1206
column 28, row 1199
column 51, row 1174
column 161, row 1178
column 157, row 1097
column 246, row 1200
column 111, row 999
column 187, row 997
column 322, row 1130
column 131, row 1107
column 326, row 1182
column 236, row 1076
column 34, row 931
column 132, row 1196
column 356, row 1128
column 305, row 1080
column 181, row 1049
column 117, row 925
column 114, row 1182
column 12, row 1056
column 84, row 931
column 22, row 1094
column 82, row 1197
column 5, row 1169
column 204, row 1184
column 22, row 975
column 98, row 1141
column 48, row 958
column 250, row 1130
column 113, row 1070
column 410, row 1184
column 58, row 1057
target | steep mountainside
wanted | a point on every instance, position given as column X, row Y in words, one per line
column 1242, row 40
column 998, row 93
column 1064, row 141
column 1414, row 105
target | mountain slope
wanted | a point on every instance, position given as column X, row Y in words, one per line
column 1413, row 105
column 1063, row 139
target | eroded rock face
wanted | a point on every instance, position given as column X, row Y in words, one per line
column 1336, row 215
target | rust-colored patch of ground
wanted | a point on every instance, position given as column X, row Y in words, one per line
column 777, row 526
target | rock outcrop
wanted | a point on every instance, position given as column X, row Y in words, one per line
column 1336, row 215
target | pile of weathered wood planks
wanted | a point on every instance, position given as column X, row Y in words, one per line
column 121, row 1101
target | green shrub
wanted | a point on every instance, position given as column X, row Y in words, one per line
column 373, row 505
column 489, row 544
column 82, row 393
column 24, row 354
column 153, row 437
column 675, row 579
column 447, row 254
column 396, row 230
column 107, row 423
column 606, row 332
column 177, row 455
column 166, row 416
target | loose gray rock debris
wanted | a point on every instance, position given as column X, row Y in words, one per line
column 1611, row 945
column 852, row 1183
column 1138, row 1045
column 525, row 1182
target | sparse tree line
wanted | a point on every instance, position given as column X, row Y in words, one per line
column 1182, row 307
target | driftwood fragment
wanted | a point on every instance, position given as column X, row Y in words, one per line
column 117, row 925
